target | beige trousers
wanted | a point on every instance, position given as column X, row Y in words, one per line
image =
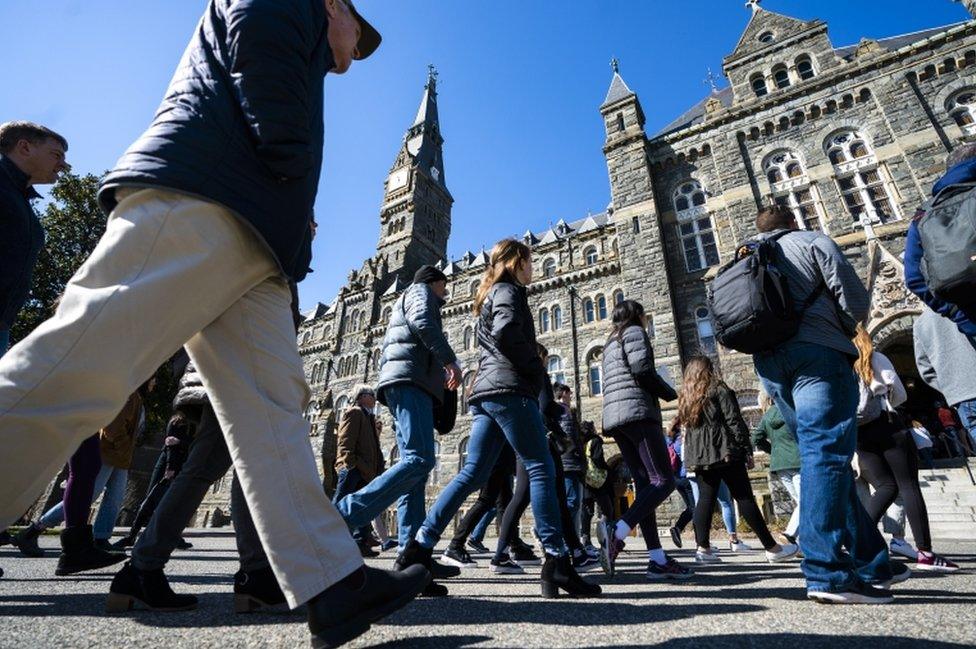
column 173, row 270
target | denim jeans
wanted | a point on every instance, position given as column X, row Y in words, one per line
column 413, row 415
column 817, row 395
column 574, row 499
column 967, row 414
column 108, row 510
column 497, row 419
column 348, row 481
column 478, row 534
column 725, row 503
column 790, row 479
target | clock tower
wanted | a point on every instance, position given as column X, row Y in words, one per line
column 415, row 220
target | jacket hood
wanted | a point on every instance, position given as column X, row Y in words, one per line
column 964, row 172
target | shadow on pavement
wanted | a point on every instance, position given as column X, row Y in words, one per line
column 435, row 642
column 798, row 640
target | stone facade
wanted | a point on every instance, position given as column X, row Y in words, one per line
column 851, row 138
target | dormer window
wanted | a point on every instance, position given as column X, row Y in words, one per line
column 767, row 37
column 804, row 68
column 781, row 77
column 758, row 83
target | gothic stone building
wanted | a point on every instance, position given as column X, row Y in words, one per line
column 850, row 138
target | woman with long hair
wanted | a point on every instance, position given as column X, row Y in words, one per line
column 886, row 453
column 632, row 417
column 717, row 450
column 504, row 401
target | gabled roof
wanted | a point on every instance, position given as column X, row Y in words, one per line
column 450, row 268
column 316, row 311
column 395, row 287
column 589, row 223
column 895, row 43
column 481, row 259
column 550, row 236
column 529, row 238
column 782, row 27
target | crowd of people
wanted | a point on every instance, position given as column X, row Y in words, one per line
column 209, row 229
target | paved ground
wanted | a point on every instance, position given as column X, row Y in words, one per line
column 742, row 602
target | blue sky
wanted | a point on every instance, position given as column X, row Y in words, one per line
column 520, row 86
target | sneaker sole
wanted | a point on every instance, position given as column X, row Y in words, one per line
column 458, row 564
column 781, row 558
column 529, row 562
column 926, row 568
column 847, row 598
column 654, row 576
column 505, row 571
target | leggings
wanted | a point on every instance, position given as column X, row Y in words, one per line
column 735, row 476
column 646, row 453
column 497, row 491
column 889, row 462
column 683, row 487
column 83, row 468
column 602, row 498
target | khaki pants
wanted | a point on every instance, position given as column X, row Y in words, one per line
column 173, row 270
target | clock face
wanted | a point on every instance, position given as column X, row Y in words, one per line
column 398, row 179
column 435, row 172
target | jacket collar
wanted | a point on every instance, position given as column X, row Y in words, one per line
column 20, row 180
column 964, row 172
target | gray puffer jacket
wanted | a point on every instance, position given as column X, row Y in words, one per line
column 190, row 391
column 631, row 385
column 415, row 350
column 509, row 360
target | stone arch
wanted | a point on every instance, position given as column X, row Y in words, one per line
column 943, row 96
column 892, row 329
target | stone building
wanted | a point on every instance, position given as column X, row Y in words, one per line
column 850, row 138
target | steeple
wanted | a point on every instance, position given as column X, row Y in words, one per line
column 618, row 88
column 423, row 140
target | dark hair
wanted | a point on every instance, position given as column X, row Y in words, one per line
column 960, row 154
column 775, row 217
column 13, row 132
column 559, row 388
column 625, row 314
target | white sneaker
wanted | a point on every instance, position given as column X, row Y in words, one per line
column 740, row 546
column 707, row 557
column 904, row 548
column 786, row 552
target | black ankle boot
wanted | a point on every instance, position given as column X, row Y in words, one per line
column 26, row 541
column 256, row 590
column 78, row 552
column 346, row 610
column 148, row 588
column 416, row 554
column 558, row 572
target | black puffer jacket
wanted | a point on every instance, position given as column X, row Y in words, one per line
column 631, row 384
column 241, row 122
column 573, row 460
column 722, row 432
column 509, row 360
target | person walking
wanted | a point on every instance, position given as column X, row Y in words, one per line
column 773, row 437
column 682, row 483
column 809, row 379
column 209, row 217
column 632, row 417
column 717, row 449
column 886, row 452
column 504, row 402
column 574, row 465
column 599, row 486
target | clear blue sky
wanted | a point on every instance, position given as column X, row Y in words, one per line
column 520, row 86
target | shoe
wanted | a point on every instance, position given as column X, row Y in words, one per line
column 899, row 573
column 903, row 548
column 78, row 552
column 147, row 588
column 372, row 541
column 558, row 574
column 433, row 589
column 417, row 555
column 126, row 541
column 346, row 610
column 103, row 544
column 256, row 590
column 387, row 545
column 592, row 550
column 458, row 557
column 858, row 593
column 710, row 556
column 934, row 563
column 790, row 538
column 583, row 562
column 786, row 552
column 478, row 547
column 524, row 556
column 740, row 546
column 26, row 542
column 610, row 547
column 183, row 544
column 505, row 566
column 366, row 551
column 670, row 570
column 676, row 537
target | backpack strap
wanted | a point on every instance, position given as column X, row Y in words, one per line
column 947, row 192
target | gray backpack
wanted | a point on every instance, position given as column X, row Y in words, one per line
column 947, row 230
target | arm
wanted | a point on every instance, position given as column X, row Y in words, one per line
column 508, row 329
column 551, row 410
column 640, row 358
column 420, row 309
column 915, row 282
column 842, row 282
column 596, row 454
column 346, row 438
column 269, row 44
column 761, row 436
column 733, row 418
column 924, row 364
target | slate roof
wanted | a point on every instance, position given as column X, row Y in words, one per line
column 618, row 90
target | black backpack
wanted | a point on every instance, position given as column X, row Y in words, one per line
column 750, row 300
column 947, row 231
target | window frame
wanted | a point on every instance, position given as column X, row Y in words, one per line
column 849, row 166
column 787, row 189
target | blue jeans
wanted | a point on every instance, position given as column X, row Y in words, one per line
column 413, row 414
column 497, row 419
column 574, row 498
column 478, row 534
column 967, row 414
column 724, row 498
column 817, row 395
column 108, row 510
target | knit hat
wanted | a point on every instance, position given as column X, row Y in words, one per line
column 428, row 275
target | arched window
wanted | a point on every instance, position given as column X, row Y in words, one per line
column 462, row 453
column 554, row 365
column 618, row 297
column 467, row 338
column 590, row 255
column 557, row 317
column 307, row 336
column 549, row 267
column 594, row 363
column 804, row 67
column 791, row 188
column 695, row 226
column 340, row 404
column 311, row 410
column 962, row 108
column 601, row 307
column 781, row 77
column 766, row 37
column 387, row 312
column 543, row 320
column 589, row 314
column 473, row 289
column 706, row 331
column 863, row 183
column 758, row 83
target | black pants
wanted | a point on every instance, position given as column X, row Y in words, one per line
column 497, row 492
column 646, row 454
column 593, row 498
column 889, row 462
column 736, row 477
column 683, row 487
column 350, row 481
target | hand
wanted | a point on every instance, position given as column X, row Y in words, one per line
column 453, row 379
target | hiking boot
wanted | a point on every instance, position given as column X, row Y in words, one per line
column 78, row 552
column 558, row 574
column 670, row 570
column 858, row 593
column 146, row 588
column 458, row 557
column 26, row 542
column 256, row 590
column 505, row 566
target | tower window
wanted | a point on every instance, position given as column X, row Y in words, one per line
column 781, row 77
column 635, row 223
column 804, row 68
column 766, row 37
column 557, row 317
column 589, row 313
column 544, row 320
column 601, row 307
column 864, row 184
column 791, row 188
column 758, row 83
column 620, row 121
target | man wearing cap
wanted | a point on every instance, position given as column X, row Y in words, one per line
column 209, row 216
column 416, row 365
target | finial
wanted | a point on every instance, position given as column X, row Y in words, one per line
column 710, row 80
column 615, row 64
column 754, row 5
column 431, row 73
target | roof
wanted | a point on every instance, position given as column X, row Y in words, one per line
column 618, row 90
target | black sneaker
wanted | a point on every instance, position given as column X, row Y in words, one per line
column 670, row 570
column 524, row 556
column 478, row 547
column 676, row 537
column 583, row 562
column 458, row 557
column 505, row 566
column 859, row 593
column 183, row 544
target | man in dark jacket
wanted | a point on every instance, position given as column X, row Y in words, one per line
column 30, row 155
column 961, row 169
column 574, row 465
column 209, row 219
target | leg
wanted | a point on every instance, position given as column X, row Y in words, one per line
column 55, row 516
column 562, row 500
column 736, row 478
column 348, row 481
column 903, row 460
column 112, row 498
column 967, row 414
column 790, row 479
column 83, row 468
column 478, row 535
column 646, row 455
column 574, row 500
column 708, row 484
column 683, row 487
column 728, row 510
column 508, row 531
column 249, row 546
column 479, row 510
column 875, row 470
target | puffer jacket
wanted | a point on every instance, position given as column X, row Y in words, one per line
column 631, row 385
column 190, row 391
column 573, row 460
column 508, row 362
column 241, row 123
column 721, row 432
column 415, row 350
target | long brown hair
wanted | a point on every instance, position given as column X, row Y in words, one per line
column 698, row 380
column 506, row 257
column 865, row 348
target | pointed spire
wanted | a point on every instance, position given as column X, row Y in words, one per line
column 618, row 88
column 428, row 105
column 423, row 140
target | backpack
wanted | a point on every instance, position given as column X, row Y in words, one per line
column 750, row 300
column 595, row 477
column 947, row 230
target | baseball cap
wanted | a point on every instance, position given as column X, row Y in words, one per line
column 369, row 38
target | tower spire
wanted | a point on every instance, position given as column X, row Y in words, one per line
column 423, row 140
